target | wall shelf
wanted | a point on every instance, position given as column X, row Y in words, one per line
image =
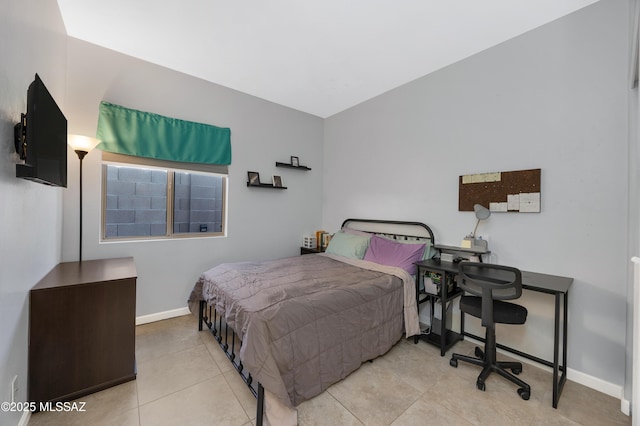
column 291, row 166
column 265, row 185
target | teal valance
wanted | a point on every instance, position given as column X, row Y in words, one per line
column 144, row 134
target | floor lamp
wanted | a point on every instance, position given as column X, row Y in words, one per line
column 81, row 145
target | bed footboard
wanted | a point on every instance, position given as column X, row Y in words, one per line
column 230, row 344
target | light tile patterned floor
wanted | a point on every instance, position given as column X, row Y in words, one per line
column 185, row 379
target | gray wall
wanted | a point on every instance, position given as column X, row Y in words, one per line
column 33, row 40
column 634, row 197
column 555, row 98
column 262, row 223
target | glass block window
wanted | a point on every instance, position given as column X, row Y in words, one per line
column 141, row 202
column 197, row 203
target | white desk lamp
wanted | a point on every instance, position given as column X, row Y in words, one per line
column 470, row 240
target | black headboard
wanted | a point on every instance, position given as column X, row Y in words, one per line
column 398, row 229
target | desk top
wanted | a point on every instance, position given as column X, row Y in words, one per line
column 530, row 280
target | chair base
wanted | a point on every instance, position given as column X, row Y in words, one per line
column 490, row 366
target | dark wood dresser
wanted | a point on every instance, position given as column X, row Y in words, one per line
column 82, row 329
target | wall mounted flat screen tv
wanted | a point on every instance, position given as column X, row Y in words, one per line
column 41, row 138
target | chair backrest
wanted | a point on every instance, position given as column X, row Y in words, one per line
column 491, row 282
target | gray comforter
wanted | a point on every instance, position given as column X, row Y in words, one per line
column 307, row 322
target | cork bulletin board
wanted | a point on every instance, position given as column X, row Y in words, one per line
column 516, row 191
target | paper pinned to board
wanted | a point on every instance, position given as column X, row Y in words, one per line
column 530, row 202
column 498, row 207
column 482, row 178
column 493, row 177
column 513, row 202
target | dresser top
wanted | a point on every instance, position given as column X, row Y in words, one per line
column 88, row 271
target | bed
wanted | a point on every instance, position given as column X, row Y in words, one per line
column 292, row 327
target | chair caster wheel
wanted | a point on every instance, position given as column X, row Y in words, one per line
column 478, row 352
column 516, row 371
column 480, row 385
column 453, row 362
column 524, row 394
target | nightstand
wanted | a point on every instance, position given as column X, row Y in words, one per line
column 306, row 250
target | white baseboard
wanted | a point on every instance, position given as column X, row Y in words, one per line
column 625, row 407
column 594, row 383
column 159, row 316
column 600, row 385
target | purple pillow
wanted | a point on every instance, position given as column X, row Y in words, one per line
column 391, row 253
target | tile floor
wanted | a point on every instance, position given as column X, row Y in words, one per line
column 185, row 379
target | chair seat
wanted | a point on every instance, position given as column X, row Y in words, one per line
column 503, row 312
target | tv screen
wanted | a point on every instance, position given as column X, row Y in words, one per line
column 41, row 138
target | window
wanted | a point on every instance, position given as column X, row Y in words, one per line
column 197, row 202
column 142, row 201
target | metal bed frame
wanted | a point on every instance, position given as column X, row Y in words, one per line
column 231, row 347
column 227, row 337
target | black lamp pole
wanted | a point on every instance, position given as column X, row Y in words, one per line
column 81, row 155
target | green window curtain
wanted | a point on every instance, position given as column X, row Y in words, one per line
column 144, row 134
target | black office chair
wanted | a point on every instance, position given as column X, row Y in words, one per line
column 489, row 285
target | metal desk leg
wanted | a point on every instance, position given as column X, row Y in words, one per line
column 559, row 384
column 443, row 313
column 563, row 377
column 556, row 344
column 461, row 325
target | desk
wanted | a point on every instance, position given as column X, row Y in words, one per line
column 550, row 284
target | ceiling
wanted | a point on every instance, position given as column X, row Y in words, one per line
column 320, row 57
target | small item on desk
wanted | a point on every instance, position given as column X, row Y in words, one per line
column 472, row 243
column 447, row 257
column 319, row 238
column 326, row 239
column 429, row 286
column 309, row 241
column 480, row 244
column 436, row 281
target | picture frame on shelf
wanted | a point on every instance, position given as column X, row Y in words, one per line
column 295, row 161
column 254, row 178
column 277, row 181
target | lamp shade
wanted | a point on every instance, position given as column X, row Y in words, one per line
column 482, row 212
column 82, row 143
